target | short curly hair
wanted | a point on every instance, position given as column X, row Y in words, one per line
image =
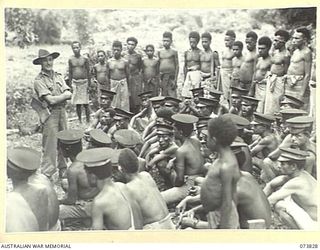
column 223, row 129
column 128, row 160
column 194, row 34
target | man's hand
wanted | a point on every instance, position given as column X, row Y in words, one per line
column 181, row 207
column 67, row 94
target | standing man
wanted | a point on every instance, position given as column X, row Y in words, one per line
column 299, row 70
column 226, row 64
column 118, row 74
column 258, row 86
column 79, row 75
column 150, row 71
column 209, row 62
column 280, row 60
column 250, row 58
column 100, row 71
column 237, row 60
column 168, row 67
column 52, row 90
column 191, row 68
column 135, row 79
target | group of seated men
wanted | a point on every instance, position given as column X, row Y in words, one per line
column 174, row 165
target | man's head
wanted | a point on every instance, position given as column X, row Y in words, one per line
column 229, row 38
column 222, row 132
column 196, row 93
column 101, row 56
column 45, row 59
column 164, row 115
column 145, row 99
column 280, row 39
column 300, row 128
column 167, row 39
column 122, row 118
column 150, row 50
column 206, row 40
column 131, row 43
column 292, row 160
column 262, row 123
column 183, row 125
column 237, row 48
column 236, row 94
column 172, row 103
column 264, row 45
column 99, row 139
column 165, row 135
column 22, row 162
column 251, row 40
column 106, row 98
column 205, row 106
column 70, row 143
column 248, row 105
column 128, row 161
column 291, row 102
column 126, row 138
column 106, row 117
column 116, row 49
column 157, row 103
column 97, row 161
column 300, row 37
column 194, row 38
column 76, row 48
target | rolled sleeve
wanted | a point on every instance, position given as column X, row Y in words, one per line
column 41, row 88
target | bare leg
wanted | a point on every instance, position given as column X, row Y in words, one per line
column 78, row 107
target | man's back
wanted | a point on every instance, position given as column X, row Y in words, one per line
column 118, row 210
column 145, row 191
column 194, row 160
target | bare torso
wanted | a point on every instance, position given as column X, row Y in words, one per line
column 227, row 55
column 101, row 73
column 192, row 58
column 144, row 189
column 297, row 62
column 117, row 68
column 194, row 160
column 206, row 61
column 150, row 68
column 262, row 67
column 134, row 61
column 247, row 67
column 278, row 60
column 79, row 67
column 167, row 61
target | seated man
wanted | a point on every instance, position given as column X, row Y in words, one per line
column 29, row 201
column 153, row 207
column 294, row 187
column 122, row 121
column 189, row 160
column 103, row 116
column 113, row 208
column 81, row 189
column 218, row 190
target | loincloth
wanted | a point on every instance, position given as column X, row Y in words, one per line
column 80, row 94
column 121, row 99
column 214, row 219
column 294, row 85
column 193, row 80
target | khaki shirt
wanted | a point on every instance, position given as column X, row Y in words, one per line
column 45, row 85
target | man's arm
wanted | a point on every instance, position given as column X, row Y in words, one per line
column 72, row 193
column 52, row 100
column 226, row 194
column 87, row 67
column 70, row 71
column 97, row 215
column 185, row 65
column 127, row 71
column 286, row 190
column 176, row 63
column 275, row 184
column 180, row 167
column 263, row 143
column 307, row 70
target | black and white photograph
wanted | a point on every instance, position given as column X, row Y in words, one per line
column 160, row 119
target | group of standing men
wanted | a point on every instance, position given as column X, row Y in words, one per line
column 205, row 149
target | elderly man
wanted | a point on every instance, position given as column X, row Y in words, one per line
column 53, row 92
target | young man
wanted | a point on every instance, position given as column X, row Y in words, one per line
column 100, row 71
column 248, row 107
column 266, row 143
column 189, row 160
column 258, row 87
column 235, row 99
column 30, row 199
column 122, row 121
column 226, row 63
column 150, row 71
column 205, row 107
column 146, row 115
column 294, row 193
column 113, row 208
column 79, row 75
column 218, row 190
column 53, row 92
column 299, row 70
column 218, row 108
column 168, row 67
column 118, row 75
column 209, row 63
column 135, row 78
column 81, row 190
column 237, row 60
column 102, row 117
column 250, row 57
column 144, row 190
column 191, row 67
column 280, row 60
